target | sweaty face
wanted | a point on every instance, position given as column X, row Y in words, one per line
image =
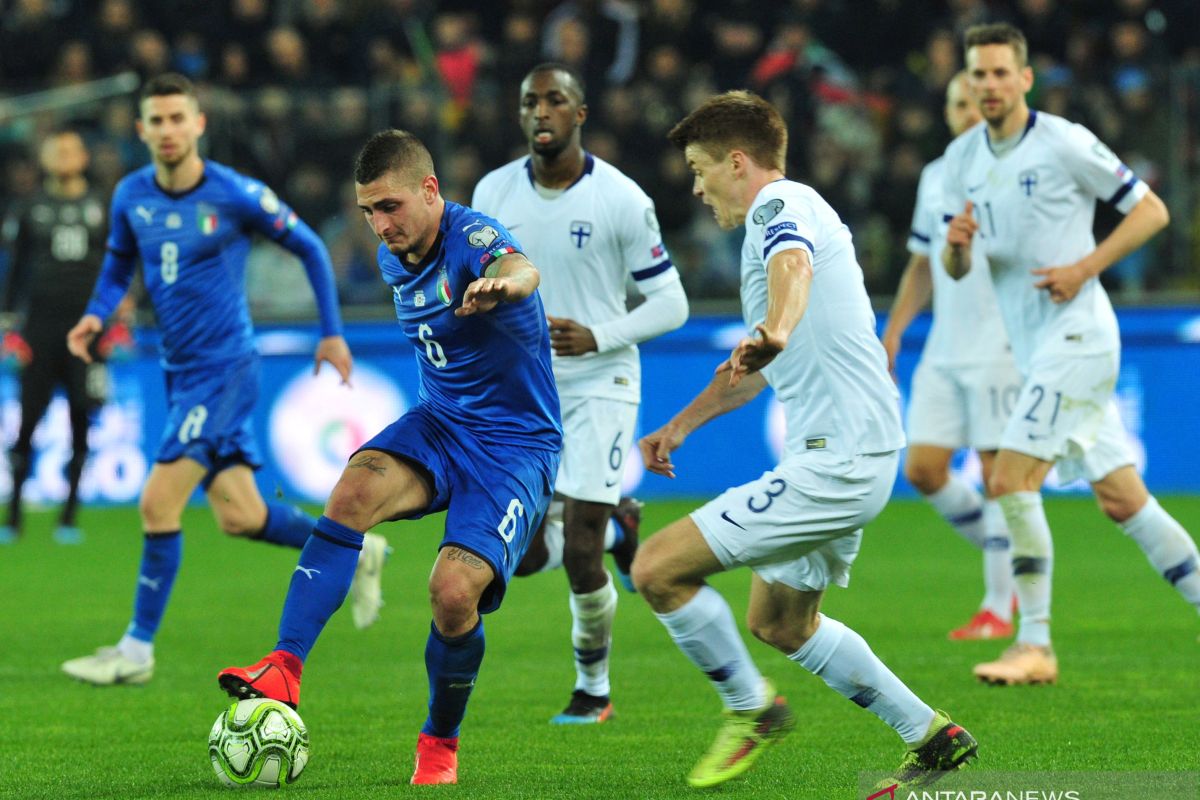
column 961, row 109
column 64, row 156
column 170, row 125
column 998, row 84
column 401, row 215
column 551, row 112
column 713, row 184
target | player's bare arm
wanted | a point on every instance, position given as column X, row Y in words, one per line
column 507, row 279
column 913, row 294
column 79, row 338
column 789, row 278
column 1143, row 221
column 569, row 338
column 334, row 350
column 957, row 254
column 718, row 398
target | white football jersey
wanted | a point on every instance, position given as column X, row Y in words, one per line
column 585, row 243
column 832, row 377
column 1035, row 206
column 967, row 329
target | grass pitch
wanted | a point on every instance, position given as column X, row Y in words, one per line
column 1127, row 646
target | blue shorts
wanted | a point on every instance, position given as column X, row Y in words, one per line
column 496, row 495
column 209, row 417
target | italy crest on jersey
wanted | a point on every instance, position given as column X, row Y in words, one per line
column 443, row 288
column 206, row 218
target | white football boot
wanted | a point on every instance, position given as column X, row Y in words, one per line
column 366, row 592
column 108, row 667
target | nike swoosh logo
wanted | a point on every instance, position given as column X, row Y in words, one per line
column 1035, row 438
column 256, row 674
column 512, row 227
column 611, row 484
column 308, row 573
column 973, row 189
column 725, row 516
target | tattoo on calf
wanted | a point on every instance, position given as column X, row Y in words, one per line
column 470, row 559
column 372, row 463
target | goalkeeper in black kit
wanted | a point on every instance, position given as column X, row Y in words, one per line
column 55, row 241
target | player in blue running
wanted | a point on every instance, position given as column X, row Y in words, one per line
column 190, row 222
column 482, row 442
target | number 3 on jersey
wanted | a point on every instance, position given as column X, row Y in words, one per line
column 168, row 254
column 433, row 350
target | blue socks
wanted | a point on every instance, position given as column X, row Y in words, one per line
column 319, row 585
column 452, row 664
column 161, row 554
column 286, row 525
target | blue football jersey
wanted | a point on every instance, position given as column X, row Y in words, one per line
column 489, row 373
column 193, row 247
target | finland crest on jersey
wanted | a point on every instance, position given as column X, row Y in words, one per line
column 1035, row 206
column 832, row 377
column 586, row 242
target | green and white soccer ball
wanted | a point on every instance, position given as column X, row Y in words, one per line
column 258, row 742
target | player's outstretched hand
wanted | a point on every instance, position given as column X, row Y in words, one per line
column 1063, row 283
column 483, row 295
column 962, row 227
column 79, row 338
column 656, row 449
column 334, row 350
column 569, row 338
column 753, row 353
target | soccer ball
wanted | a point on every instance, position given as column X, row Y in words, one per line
column 258, row 742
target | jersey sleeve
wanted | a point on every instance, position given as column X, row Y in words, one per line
column 925, row 215
column 121, row 241
column 261, row 210
column 782, row 224
column 642, row 250
column 1099, row 171
column 486, row 240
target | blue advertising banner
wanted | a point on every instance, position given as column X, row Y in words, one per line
column 308, row 426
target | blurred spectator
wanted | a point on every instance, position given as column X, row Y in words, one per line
column 293, row 87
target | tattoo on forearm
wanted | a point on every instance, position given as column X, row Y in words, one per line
column 372, row 463
column 470, row 559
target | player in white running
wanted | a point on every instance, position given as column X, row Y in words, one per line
column 963, row 388
column 590, row 229
column 799, row 525
column 1024, row 187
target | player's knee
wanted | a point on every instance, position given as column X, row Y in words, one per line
column 1119, row 508
column 1004, row 482
column 785, row 635
column 352, row 505
column 454, row 604
column 926, row 478
column 239, row 522
column 583, row 554
column 156, row 513
column 653, row 582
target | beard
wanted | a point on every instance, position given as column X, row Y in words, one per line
column 551, row 149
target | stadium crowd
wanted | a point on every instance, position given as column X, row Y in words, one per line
column 293, row 86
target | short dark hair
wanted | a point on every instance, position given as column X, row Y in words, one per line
column 569, row 71
column 393, row 150
column 737, row 120
column 167, row 84
column 999, row 33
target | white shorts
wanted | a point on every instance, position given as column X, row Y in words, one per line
column 1066, row 414
column 597, row 436
column 962, row 406
column 801, row 523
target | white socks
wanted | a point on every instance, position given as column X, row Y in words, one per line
column 703, row 628
column 591, row 634
column 136, row 650
column 962, row 507
column 1032, row 563
column 997, row 562
column 844, row 661
column 980, row 522
column 1168, row 547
